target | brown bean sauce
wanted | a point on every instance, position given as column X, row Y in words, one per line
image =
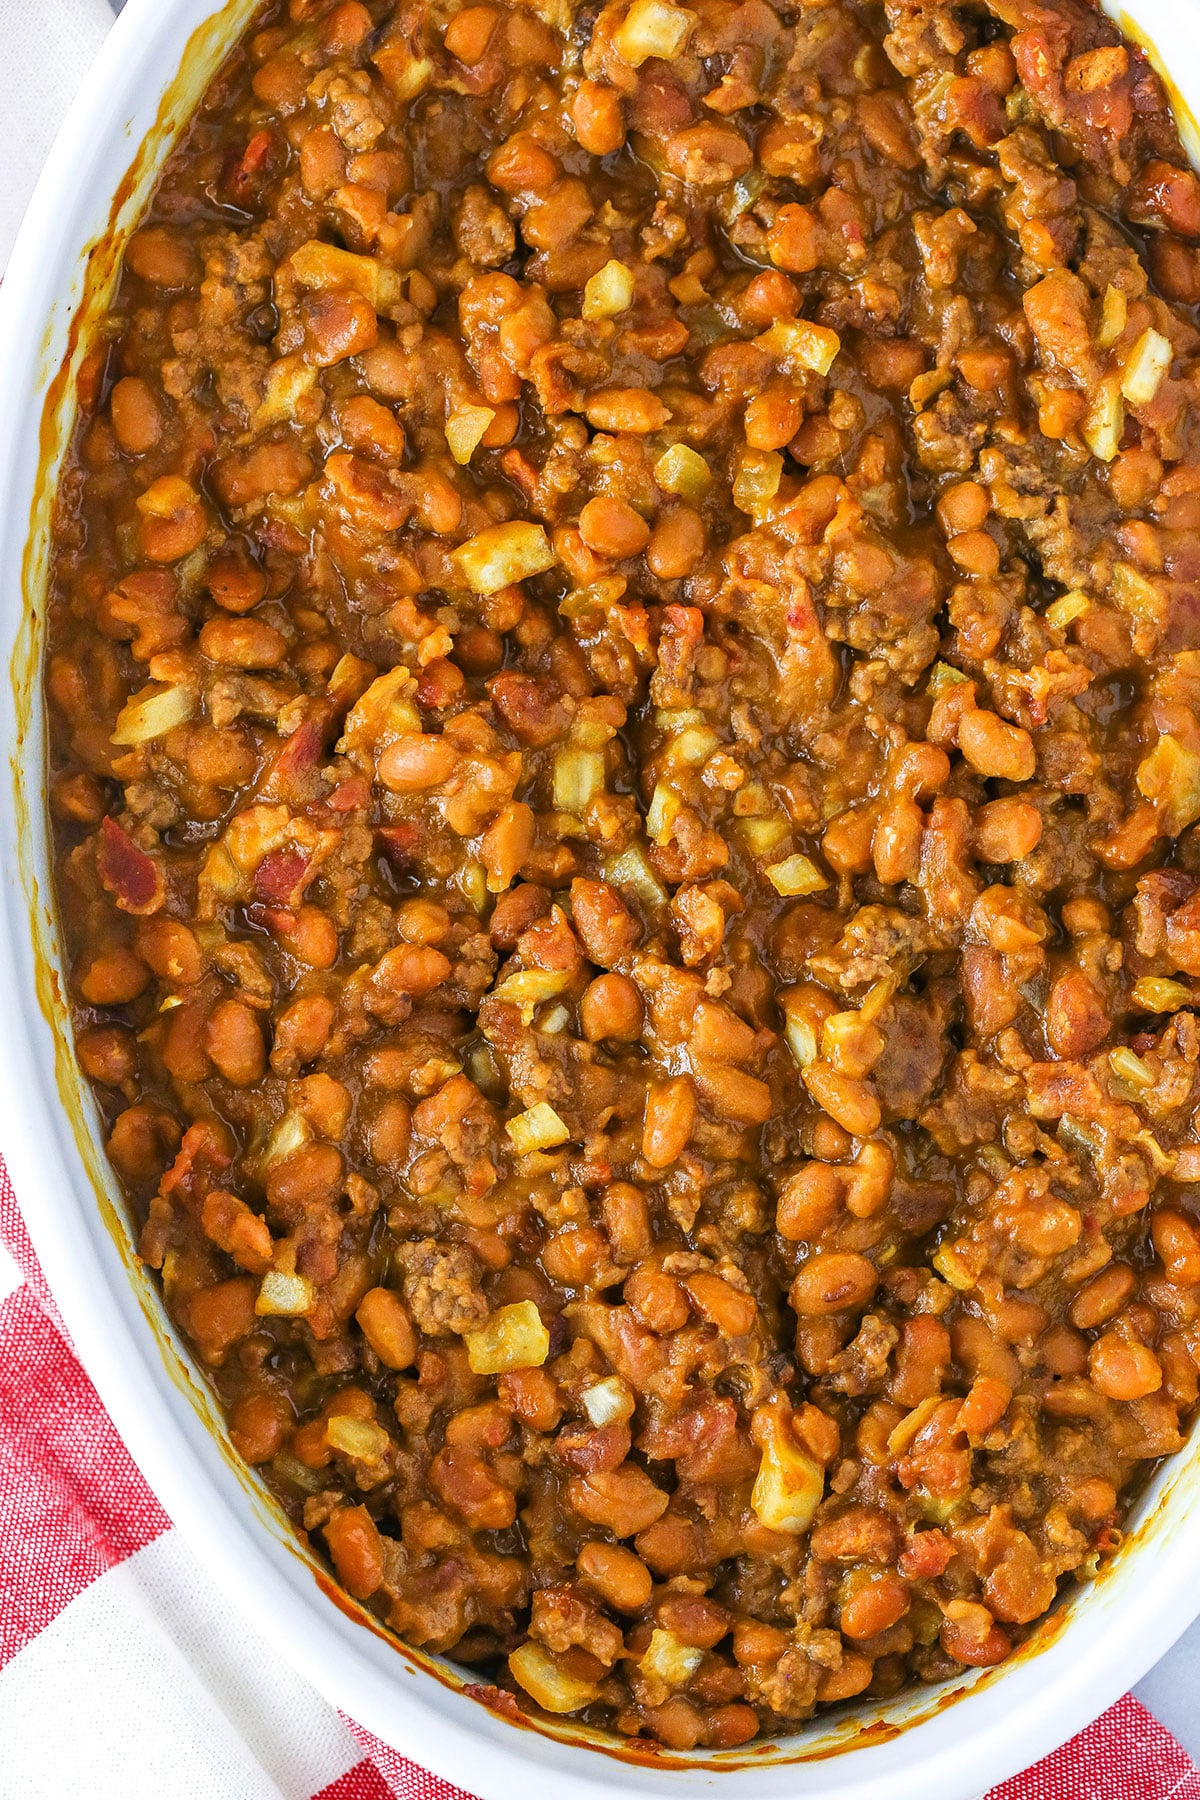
column 623, row 675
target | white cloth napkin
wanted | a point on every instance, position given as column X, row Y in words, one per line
column 45, row 49
column 45, row 46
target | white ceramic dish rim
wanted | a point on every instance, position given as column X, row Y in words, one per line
column 1115, row 1630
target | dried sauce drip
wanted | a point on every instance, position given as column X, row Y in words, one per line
column 624, row 683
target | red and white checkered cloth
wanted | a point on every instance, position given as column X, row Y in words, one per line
column 123, row 1677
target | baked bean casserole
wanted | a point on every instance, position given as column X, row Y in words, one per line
column 624, row 663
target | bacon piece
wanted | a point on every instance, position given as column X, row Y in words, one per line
column 282, row 875
column 293, row 770
column 241, row 177
column 397, row 842
column 134, row 879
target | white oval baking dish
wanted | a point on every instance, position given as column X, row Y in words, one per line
column 930, row 1746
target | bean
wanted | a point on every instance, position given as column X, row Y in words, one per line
column 1103, row 1297
column 613, row 529
column 233, row 1038
column 136, row 420
column 635, row 410
column 112, row 977
column 605, row 925
column 731, row 1094
column 466, row 1483
column 623, row 1500
column 170, row 948
column 1177, row 1242
column 670, row 1118
column 311, row 937
column 626, row 1220
column 963, row 507
column 657, row 1300
column 773, row 418
column 620, row 1578
column 596, row 116
column 107, row 1054
column 994, row 748
column 387, row 1328
column 896, row 841
column 611, row 1007
column 1123, row 1369
column 469, row 33
column 258, row 1426
column 975, row 553
column 676, row 544
column 416, row 761
column 356, row 1550
column 972, row 1637
column 1076, row 1016
column 834, row 1281
column 1007, row 830
column 878, row 1604
column 848, row 1099
column 506, row 845
column 243, row 643
column 730, row 1309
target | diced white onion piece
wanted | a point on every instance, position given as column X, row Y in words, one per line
column 284, row 1296
column 1136, row 593
column 652, row 28
column 802, row 1041
column 765, row 836
column 1154, row 993
column 676, row 718
column 319, row 265
column 801, row 342
column 609, row 291
column 668, row 1659
column 473, row 884
column 1105, row 420
column 287, row 383
column 796, row 875
column 631, row 869
column 914, row 1421
column 953, row 1267
column 384, row 711
column 503, row 554
column 1129, row 1067
column 528, row 987
column 1112, row 319
column 1148, row 365
column 1065, row 611
column 556, row 1019
column 578, row 778
column 943, row 675
column 513, row 1338
column 608, row 1401
column 789, row 1484
column 1170, row 778
column 693, row 746
column 464, row 430
column 662, row 812
column 538, row 1129
column 534, row 1669
column 148, row 714
column 360, row 1438
column 683, row 471
column 292, row 1131
column 756, row 481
